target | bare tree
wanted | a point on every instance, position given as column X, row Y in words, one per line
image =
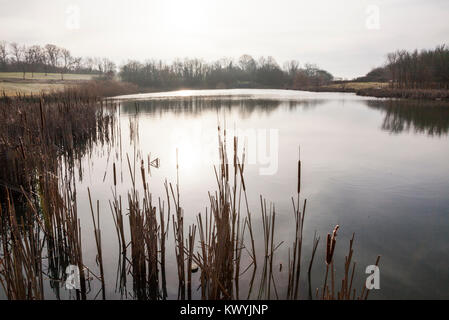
column 419, row 69
column 33, row 58
column 89, row 64
column 52, row 54
column 3, row 55
column 247, row 63
column 66, row 62
column 108, row 68
column 291, row 67
column 45, row 61
column 246, row 72
column 248, row 66
column 18, row 53
column 77, row 64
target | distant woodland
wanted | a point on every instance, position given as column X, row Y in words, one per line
column 244, row 72
column 424, row 69
column 225, row 73
column 50, row 59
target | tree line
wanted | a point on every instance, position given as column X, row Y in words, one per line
column 224, row 73
column 50, row 59
column 417, row 69
column 420, row 69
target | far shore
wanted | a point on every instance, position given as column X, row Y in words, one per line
column 381, row 90
column 12, row 86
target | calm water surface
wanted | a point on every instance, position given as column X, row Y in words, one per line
column 377, row 168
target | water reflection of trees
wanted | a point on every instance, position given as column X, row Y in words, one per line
column 428, row 117
column 195, row 106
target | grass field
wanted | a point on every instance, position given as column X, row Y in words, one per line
column 13, row 83
column 12, row 88
column 42, row 76
column 359, row 85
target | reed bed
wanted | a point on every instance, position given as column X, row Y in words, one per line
column 234, row 256
column 225, row 236
column 41, row 140
column 398, row 93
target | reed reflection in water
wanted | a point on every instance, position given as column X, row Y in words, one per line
column 354, row 174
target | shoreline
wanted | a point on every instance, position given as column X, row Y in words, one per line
column 391, row 93
column 375, row 90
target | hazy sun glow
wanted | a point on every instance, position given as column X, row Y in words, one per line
column 324, row 32
column 185, row 18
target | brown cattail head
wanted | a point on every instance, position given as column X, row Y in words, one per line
column 334, row 233
column 299, row 170
column 115, row 174
column 241, row 176
column 330, row 245
column 142, row 170
column 328, row 248
column 235, row 153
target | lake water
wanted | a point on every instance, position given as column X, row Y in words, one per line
column 377, row 168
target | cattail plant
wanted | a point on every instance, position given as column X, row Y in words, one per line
column 330, row 248
column 42, row 142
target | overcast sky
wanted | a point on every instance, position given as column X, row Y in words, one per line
column 347, row 38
